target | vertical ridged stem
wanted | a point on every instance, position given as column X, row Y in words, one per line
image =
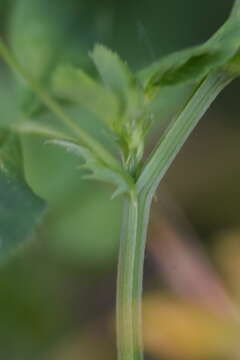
column 137, row 212
column 130, row 277
column 126, row 325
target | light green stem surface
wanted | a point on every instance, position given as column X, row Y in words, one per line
column 134, row 233
column 129, row 289
column 125, row 300
column 145, row 200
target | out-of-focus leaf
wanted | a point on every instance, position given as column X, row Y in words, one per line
column 20, row 208
column 35, row 42
column 10, row 112
column 98, row 169
column 74, row 85
column 10, row 152
column 191, row 65
column 182, row 331
column 37, row 32
column 72, row 235
column 20, row 212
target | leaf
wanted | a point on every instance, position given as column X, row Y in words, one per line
column 41, row 37
column 193, row 64
column 98, row 170
column 20, row 209
column 74, row 85
column 117, row 76
column 10, row 152
column 40, row 33
column 35, row 43
column 114, row 73
column 183, row 66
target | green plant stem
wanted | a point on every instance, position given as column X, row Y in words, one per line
column 159, row 162
column 131, row 255
column 126, row 326
column 145, row 200
column 133, row 242
column 137, row 213
column 55, row 108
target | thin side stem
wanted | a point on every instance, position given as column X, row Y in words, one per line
column 55, row 108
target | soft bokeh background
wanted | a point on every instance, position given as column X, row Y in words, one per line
column 57, row 294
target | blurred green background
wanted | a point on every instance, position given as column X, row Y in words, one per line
column 57, row 294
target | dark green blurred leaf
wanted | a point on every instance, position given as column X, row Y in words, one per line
column 191, row 65
column 20, row 208
column 187, row 65
column 20, row 212
column 10, row 152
